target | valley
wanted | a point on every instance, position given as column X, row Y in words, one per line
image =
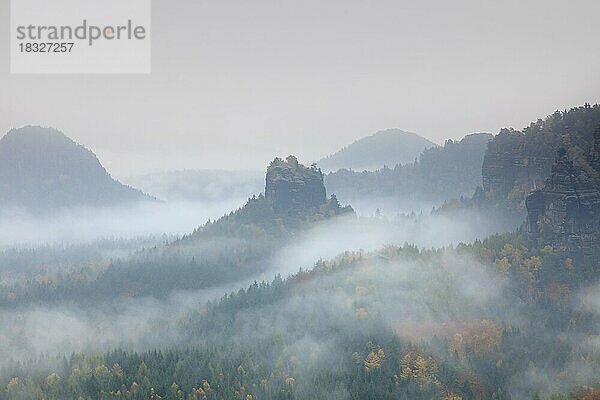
column 291, row 293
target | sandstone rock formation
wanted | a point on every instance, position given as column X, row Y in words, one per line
column 293, row 189
column 565, row 214
column 519, row 162
column 294, row 198
column 509, row 166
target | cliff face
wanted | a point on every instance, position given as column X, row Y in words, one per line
column 293, row 189
column 516, row 163
column 507, row 166
column 565, row 214
column 294, row 198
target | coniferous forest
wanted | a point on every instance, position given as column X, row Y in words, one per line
column 493, row 294
column 299, row 200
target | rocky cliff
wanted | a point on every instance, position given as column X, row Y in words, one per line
column 508, row 166
column 518, row 162
column 565, row 213
column 294, row 198
column 293, row 189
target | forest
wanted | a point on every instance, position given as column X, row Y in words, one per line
column 296, row 294
column 344, row 330
column 438, row 174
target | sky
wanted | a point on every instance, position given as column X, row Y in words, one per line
column 235, row 83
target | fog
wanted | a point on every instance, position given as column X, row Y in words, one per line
column 333, row 237
column 448, row 295
column 133, row 322
column 292, row 294
column 416, row 298
column 81, row 225
column 389, row 206
column 444, row 294
column 307, row 77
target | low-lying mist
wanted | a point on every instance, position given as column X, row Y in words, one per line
column 417, row 296
column 133, row 322
column 444, row 302
column 128, row 221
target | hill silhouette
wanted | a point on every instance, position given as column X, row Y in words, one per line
column 388, row 147
column 41, row 170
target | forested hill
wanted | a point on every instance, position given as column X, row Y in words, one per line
column 294, row 198
column 233, row 248
column 42, row 170
column 399, row 323
column 518, row 162
column 546, row 175
column 440, row 173
column 388, row 147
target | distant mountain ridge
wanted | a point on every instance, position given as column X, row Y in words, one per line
column 388, row 147
column 440, row 173
column 41, row 170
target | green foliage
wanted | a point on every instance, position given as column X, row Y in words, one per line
column 238, row 347
column 439, row 173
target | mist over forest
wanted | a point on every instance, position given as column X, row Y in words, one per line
column 299, row 200
column 470, row 272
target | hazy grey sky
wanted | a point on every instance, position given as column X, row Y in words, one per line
column 235, row 83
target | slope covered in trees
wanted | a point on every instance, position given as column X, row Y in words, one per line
column 388, row 147
column 43, row 170
column 397, row 323
column 518, row 162
column 509, row 317
column 440, row 173
column 233, row 248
